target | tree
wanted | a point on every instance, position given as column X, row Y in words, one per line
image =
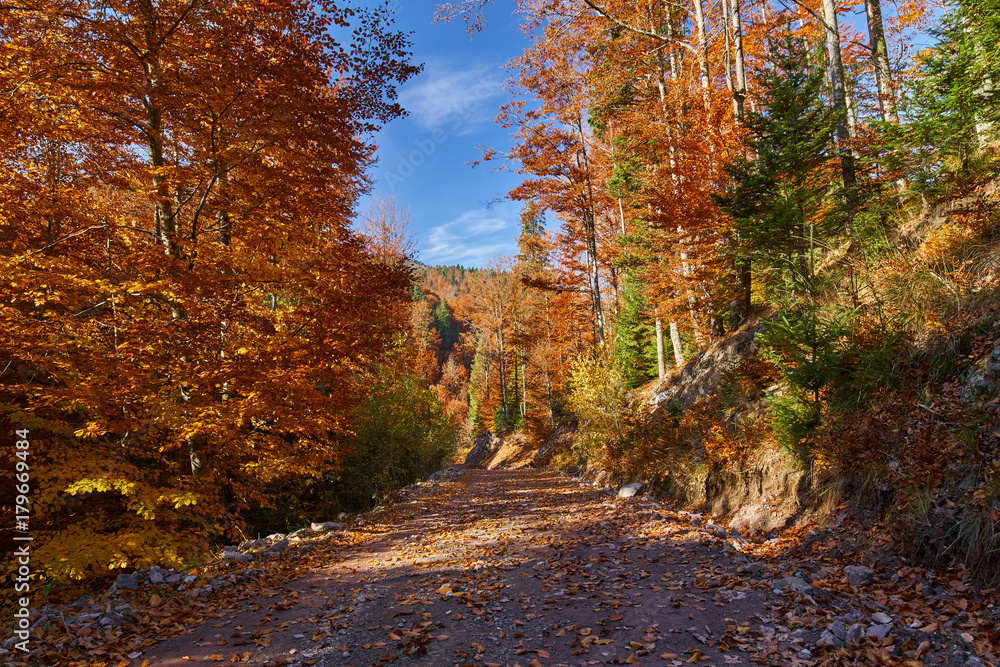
column 182, row 271
column 953, row 111
column 777, row 197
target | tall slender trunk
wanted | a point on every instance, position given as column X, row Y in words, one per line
column 661, row 366
column 740, row 89
column 524, row 387
column 699, row 21
column 503, row 381
column 548, row 378
column 164, row 226
column 590, row 234
column 839, row 88
column 880, row 58
column 675, row 341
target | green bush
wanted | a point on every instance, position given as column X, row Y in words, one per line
column 402, row 434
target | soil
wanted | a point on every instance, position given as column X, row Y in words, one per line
column 523, row 567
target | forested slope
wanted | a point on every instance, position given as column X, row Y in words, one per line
column 716, row 166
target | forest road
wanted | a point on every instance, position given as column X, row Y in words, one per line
column 498, row 567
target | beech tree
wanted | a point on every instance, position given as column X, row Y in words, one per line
column 183, row 297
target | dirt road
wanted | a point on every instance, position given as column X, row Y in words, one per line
column 499, row 568
column 534, row 568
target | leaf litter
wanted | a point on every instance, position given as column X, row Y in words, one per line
column 537, row 569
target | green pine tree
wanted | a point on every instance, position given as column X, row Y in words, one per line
column 951, row 114
column 442, row 323
column 635, row 335
column 778, row 189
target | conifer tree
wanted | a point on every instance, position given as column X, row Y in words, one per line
column 953, row 110
column 776, row 190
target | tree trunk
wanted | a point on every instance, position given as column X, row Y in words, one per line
column 661, row 366
column 524, row 387
column 880, row 57
column 675, row 340
column 164, row 227
column 503, row 382
column 699, row 21
column 590, row 234
column 839, row 88
column 740, row 89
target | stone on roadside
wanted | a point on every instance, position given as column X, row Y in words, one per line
column 794, row 583
column 324, row 527
column 858, row 574
column 752, row 568
column 879, row 631
column 827, row 640
column 630, row 490
column 235, row 557
column 156, row 578
column 838, row 630
column 280, row 545
column 127, row 581
column 881, row 618
column 855, row 634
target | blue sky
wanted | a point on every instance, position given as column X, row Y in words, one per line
column 423, row 159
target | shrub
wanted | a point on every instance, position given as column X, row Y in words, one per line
column 599, row 398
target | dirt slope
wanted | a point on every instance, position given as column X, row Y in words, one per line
column 531, row 567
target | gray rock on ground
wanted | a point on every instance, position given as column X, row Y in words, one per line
column 858, row 575
column 127, row 581
column 796, row 584
column 324, row 527
column 630, row 490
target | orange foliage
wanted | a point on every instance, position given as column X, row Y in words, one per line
column 186, row 313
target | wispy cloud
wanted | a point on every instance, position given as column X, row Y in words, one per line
column 473, row 237
column 446, row 98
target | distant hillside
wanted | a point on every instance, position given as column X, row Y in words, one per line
column 448, row 282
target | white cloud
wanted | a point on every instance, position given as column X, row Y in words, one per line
column 472, row 238
column 454, row 99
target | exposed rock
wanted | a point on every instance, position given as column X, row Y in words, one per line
column 702, row 374
column 280, row 545
column 127, row 581
column 858, row 575
column 752, row 568
column 156, row 578
column 324, row 527
column 116, row 618
column 838, row 629
column 881, row 618
column 794, row 583
column 855, row 634
column 879, row 631
column 560, row 441
column 630, row 490
column 236, row 557
column 984, row 378
column 828, row 640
